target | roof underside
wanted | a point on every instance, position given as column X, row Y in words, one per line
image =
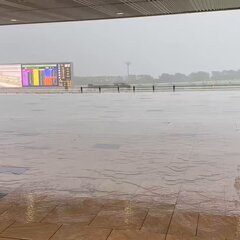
column 40, row 11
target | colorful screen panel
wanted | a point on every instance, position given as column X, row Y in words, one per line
column 10, row 75
column 42, row 75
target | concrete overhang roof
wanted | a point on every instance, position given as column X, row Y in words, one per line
column 44, row 11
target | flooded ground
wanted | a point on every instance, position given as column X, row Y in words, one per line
column 175, row 148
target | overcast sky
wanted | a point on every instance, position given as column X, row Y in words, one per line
column 154, row 45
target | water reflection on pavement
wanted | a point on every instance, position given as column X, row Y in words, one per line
column 165, row 147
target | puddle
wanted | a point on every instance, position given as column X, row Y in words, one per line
column 37, row 110
column 186, row 142
column 155, row 110
column 2, row 195
column 26, row 134
column 13, row 170
column 107, row 146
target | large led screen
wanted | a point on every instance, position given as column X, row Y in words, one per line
column 46, row 75
column 10, row 75
column 36, row 75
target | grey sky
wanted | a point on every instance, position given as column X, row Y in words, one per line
column 154, row 45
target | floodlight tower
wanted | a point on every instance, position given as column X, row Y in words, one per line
column 128, row 68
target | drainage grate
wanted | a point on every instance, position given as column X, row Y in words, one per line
column 13, row 170
column 107, row 146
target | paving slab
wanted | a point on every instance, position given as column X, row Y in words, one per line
column 76, row 232
column 158, row 220
column 135, row 235
column 128, row 218
column 68, row 214
column 184, row 223
column 221, row 227
column 31, row 231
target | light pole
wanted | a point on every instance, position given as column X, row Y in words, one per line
column 128, row 69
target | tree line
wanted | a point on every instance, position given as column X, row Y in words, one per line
column 200, row 76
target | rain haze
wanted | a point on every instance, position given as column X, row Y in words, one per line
column 108, row 153
column 154, row 45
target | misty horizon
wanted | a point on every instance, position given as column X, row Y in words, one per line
column 154, row 45
column 132, row 74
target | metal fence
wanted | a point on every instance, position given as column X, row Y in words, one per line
column 119, row 89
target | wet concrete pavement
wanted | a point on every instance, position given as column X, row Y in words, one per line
column 180, row 149
column 37, row 217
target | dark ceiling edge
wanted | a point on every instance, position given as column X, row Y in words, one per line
column 71, row 6
column 63, row 7
column 119, row 18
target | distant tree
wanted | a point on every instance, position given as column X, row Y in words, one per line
column 165, row 77
column 226, row 75
column 199, row 76
column 216, row 75
column 145, row 78
column 231, row 75
column 180, row 77
column 177, row 77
